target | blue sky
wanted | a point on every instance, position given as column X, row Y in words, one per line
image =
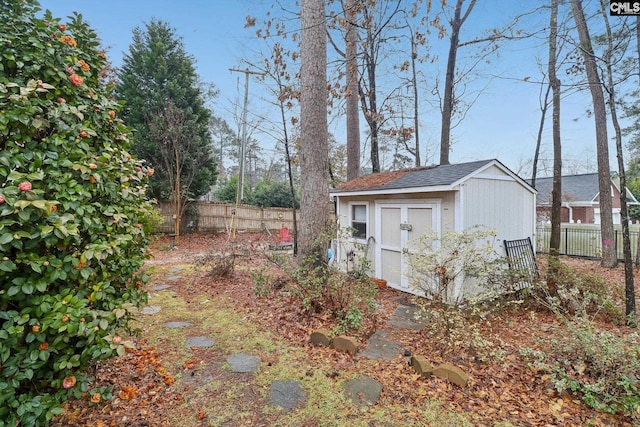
column 502, row 124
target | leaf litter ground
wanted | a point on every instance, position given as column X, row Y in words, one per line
column 162, row 382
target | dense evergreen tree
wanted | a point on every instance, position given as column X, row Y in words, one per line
column 275, row 194
column 158, row 80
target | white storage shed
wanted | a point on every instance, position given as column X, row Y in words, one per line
column 386, row 211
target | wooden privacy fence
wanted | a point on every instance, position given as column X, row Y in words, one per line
column 216, row 217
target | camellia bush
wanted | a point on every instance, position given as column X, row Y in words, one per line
column 74, row 218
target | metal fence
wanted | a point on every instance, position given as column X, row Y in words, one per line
column 583, row 240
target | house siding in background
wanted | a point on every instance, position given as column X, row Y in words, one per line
column 580, row 199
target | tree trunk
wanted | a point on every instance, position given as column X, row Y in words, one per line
column 314, row 152
column 609, row 253
column 556, row 192
column 372, row 117
column 449, row 97
column 543, row 115
column 630, row 296
column 414, row 82
column 177, row 196
column 353, row 113
column 638, row 41
column 287, row 153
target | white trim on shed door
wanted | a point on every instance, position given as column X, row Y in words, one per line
column 397, row 224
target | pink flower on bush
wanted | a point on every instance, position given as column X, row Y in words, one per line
column 69, row 382
column 76, row 79
column 1, row 199
column 24, row 186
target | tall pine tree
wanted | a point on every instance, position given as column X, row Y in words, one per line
column 165, row 104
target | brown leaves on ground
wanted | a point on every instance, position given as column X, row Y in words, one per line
column 505, row 389
column 141, row 396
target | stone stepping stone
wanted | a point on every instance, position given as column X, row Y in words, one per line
column 203, row 342
column 173, row 278
column 380, row 347
column 287, row 394
column 363, row 390
column 243, row 362
column 151, row 309
column 176, row 270
column 404, row 317
column 175, row 325
column 161, row 287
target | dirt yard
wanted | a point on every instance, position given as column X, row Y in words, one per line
column 167, row 380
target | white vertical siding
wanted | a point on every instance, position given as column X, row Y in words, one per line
column 499, row 203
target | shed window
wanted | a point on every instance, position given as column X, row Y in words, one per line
column 359, row 221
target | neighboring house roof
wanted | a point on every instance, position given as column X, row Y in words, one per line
column 432, row 178
column 576, row 189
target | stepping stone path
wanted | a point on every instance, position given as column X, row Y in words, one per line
column 380, row 346
column 363, row 390
column 287, row 394
column 174, row 325
column 404, row 317
column 151, row 309
column 202, row 342
column 243, row 362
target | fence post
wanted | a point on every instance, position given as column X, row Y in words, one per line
column 566, row 240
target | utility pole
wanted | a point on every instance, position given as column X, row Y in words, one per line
column 243, row 141
column 243, row 144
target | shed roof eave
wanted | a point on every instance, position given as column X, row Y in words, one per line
column 384, row 192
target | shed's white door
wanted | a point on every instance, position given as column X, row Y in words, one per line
column 390, row 247
column 399, row 227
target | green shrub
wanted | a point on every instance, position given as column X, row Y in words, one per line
column 594, row 363
column 440, row 265
column 597, row 365
column 73, row 213
column 579, row 290
column 319, row 289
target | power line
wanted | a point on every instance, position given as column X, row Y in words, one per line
column 243, row 141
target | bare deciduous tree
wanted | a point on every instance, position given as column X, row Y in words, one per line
column 630, row 297
column 556, row 192
column 448, row 100
column 181, row 153
column 609, row 253
column 352, row 74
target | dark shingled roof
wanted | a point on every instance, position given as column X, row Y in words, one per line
column 575, row 188
column 431, row 176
